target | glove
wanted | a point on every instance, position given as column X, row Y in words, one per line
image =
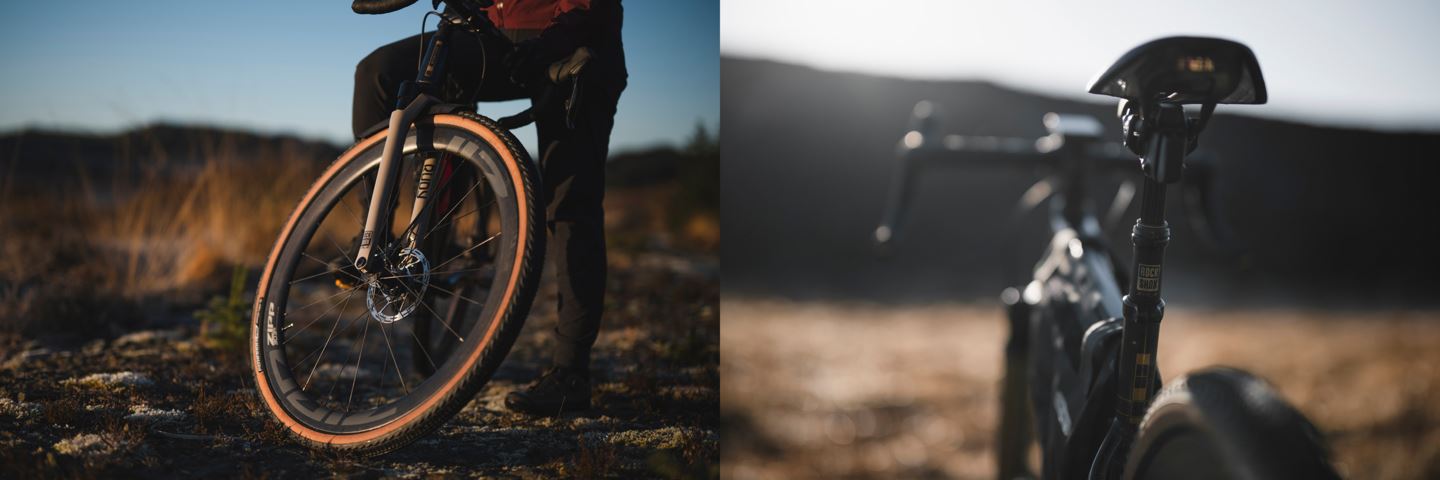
column 527, row 62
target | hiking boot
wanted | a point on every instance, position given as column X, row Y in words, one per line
column 556, row 391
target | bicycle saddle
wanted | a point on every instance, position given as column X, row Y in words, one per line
column 1185, row 70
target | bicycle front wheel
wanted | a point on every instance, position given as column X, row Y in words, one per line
column 1225, row 423
column 336, row 356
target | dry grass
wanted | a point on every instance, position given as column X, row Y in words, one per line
column 654, row 217
column 65, row 410
column 594, row 460
column 122, row 436
column 816, row 390
column 211, row 411
column 175, row 229
column 86, row 250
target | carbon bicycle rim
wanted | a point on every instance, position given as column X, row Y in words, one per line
column 333, row 354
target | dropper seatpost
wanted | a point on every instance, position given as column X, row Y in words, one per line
column 1163, row 164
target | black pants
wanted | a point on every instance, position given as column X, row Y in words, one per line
column 572, row 163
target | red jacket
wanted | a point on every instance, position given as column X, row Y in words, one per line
column 568, row 24
column 531, row 14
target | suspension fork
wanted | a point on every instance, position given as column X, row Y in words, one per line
column 378, row 216
column 414, row 100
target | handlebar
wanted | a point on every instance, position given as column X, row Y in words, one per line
column 1073, row 143
column 1073, row 139
column 377, row 7
column 1020, row 152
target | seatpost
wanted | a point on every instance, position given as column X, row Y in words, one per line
column 1164, row 136
column 1163, row 164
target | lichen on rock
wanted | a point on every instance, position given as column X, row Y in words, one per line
column 89, row 445
column 129, row 379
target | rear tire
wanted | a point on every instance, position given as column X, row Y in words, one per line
column 1225, row 423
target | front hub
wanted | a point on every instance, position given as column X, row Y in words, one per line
column 395, row 292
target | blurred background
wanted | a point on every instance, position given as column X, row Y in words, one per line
column 840, row 363
column 150, row 151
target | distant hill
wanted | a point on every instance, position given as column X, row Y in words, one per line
column 43, row 154
column 1319, row 212
column 46, row 155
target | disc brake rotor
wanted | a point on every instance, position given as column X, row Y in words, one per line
column 394, row 295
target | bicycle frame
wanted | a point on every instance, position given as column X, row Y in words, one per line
column 1074, row 298
column 1090, row 353
column 1088, row 346
column 1072, row 312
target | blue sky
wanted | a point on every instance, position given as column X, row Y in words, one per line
column 288, row 66
column 1370, row 64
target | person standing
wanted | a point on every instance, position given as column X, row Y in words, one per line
column 572, row 154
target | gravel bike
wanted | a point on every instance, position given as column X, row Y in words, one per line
column 1080, row 362
column 439, row 238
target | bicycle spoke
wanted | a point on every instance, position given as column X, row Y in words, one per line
column 468, row 250
column 394, row 361
column 321, row 357
column 327, row 265
column 458, row 296
column 344, row 331
column 311, row 304
column 383, row 363
column 422, row 303
column 345, row 301
column 423, row 350
column 342, row 250
column 298, row 280
column 412, row 275
column 452, row 210
column 344, row 254
column 458, row 218
column 355, row 378
column 358, row 221
column 415, row 221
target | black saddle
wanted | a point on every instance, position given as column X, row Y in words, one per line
column 1185, row 70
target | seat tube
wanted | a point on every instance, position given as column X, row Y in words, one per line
column 1143, row 307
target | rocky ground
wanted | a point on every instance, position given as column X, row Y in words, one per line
column 834, row 390
column 159, row 402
